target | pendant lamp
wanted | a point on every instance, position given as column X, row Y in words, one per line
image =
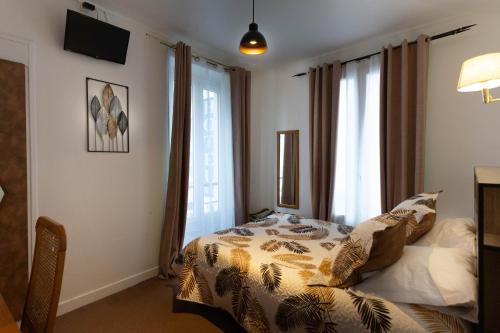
column 253, row 42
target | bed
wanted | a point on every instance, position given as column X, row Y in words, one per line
column 270, row 276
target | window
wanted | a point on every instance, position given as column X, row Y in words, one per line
column 211, row 185
column 357, row 177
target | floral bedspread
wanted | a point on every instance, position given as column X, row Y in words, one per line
column 265, row 274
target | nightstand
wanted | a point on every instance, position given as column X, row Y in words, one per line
column 487, row 197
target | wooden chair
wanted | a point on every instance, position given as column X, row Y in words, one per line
column 44, row 287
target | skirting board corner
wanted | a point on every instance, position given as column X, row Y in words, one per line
column 104, row 291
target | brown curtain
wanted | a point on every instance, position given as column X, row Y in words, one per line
column 289, row 186
column 324, row 85
column 240, row 109
column 403, row 96
column 178, row 175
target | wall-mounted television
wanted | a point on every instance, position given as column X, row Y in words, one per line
column 97, row 39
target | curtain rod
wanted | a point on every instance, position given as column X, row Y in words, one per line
column 438, row 36
column 194, row 56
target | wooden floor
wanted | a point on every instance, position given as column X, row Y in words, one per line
column 145, row 308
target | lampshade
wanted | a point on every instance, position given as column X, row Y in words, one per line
column 253, row 42
column 478, row 73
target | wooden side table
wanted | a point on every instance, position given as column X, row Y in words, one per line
column 487, row 192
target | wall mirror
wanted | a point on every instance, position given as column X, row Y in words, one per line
column 288, row 169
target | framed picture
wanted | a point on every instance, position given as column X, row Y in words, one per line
column 107, row 117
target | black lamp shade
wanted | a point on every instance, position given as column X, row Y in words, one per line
column 253, row 42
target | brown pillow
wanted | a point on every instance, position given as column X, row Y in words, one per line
column 387, row 246
column 424, row 206
column 372, row 245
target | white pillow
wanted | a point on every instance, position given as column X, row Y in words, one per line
column 454, row 232
column 432, row 276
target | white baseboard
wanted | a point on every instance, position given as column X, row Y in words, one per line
column 109, row 289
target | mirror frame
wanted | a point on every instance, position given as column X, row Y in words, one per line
column 297, row 174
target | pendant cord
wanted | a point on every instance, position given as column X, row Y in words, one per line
column 253, row 11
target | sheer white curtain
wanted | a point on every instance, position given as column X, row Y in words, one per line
column 357, row 177
column 211, row 184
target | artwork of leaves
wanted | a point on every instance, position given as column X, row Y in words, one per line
column 192, row 281
column 211, row 253
column 107, row 117
column 305, row 275
column 396, row 216
column 233, row 279
column 271, row 276
column 272, row 232
column 350, row 257
column 327, row 245
column 299, row 310
column 241, row 259
column 239, row 231
column 271, row 245
column 240, row 300
column 311, row 310
column 326, row 266
column 374, row 314
column 256, row 317
column 293, row 246
column 316, row 234
column 437, row 321
column 303, row 229
column 295, row 260
column 239, row 241
column 228, row 279
column 431, row 203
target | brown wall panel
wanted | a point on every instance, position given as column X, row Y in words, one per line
column 13, row 179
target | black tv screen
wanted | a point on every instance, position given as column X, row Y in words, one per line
column 95, row 38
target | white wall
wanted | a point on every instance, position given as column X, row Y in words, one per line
column 279, row 102
column 110, row 204
column 461, row 131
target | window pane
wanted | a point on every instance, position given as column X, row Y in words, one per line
column 211, row 186
column 357, row 173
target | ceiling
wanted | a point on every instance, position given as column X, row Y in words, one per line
column 293, row 28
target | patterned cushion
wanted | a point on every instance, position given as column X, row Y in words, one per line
column 372, row 245
column 424, row 206
column 388, row 244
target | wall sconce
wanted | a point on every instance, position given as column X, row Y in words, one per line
column 481, row 73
